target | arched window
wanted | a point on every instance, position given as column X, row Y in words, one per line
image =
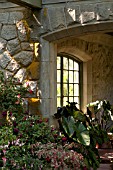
column 69, row 80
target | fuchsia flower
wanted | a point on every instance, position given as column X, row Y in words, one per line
column 15, row 131
column 64, row 139
column 48, row 159
column 31, row 91
column 4, row 113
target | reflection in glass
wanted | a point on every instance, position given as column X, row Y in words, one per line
column 70, row 89
column 65, row 99
column 76, row 77
column 76, row 66
column 65, row 76
column 58, row 102
column 76, row 90
column 58, row 76
column 58, row 90
column 65, row 89
column 70, row 76
column 70, row 64
column 76, row 99
column 58, row 62
column 71, row 99
column 65, row 63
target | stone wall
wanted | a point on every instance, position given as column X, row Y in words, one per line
column 17, row 55
column 98, row 49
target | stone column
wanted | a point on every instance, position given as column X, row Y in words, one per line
column 48, row 78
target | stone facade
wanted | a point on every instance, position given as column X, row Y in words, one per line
column 79, row 28
column 17, row 56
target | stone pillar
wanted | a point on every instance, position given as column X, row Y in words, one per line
column 48, row 78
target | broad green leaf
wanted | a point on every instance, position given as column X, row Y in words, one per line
column 82, row 134
column 69, row 125
column 78, row 115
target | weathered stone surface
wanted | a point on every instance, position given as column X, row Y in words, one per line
column 15, row 17
column 2, row 44
column 13, row 46
column 45, row 21
column 8, row 32
column 23, row 30
column 87, row 17
column 21, row 75
column 26, row 46
column 72, row 14
column 13, row 66
column 24, row 57
column 104, row 11
column 5, row 58
column 4, row 17
column 57, row 18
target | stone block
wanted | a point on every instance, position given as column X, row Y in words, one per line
column 5, row 58
column 4, row 17
column 2, row 44
column 9, row 32
column 13, row 66
column 104, row 11
column 57, row 18
column 24, row 57
column 26, row 46
column 15, row 17
column 45, row 21
column 13, row 46
column 72, row 14
column 20, row 75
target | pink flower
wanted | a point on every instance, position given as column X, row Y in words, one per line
column 27, row 84
column 4, row 160
column 17, row 102
column 30, row 91
column 64, row 139
column 18, row 96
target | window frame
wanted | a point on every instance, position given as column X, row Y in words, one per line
column 80, row 81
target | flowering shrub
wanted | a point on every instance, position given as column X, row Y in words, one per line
column 11, row 97
column 27, row 142
column 30, row 143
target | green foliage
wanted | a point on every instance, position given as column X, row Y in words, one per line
column 30, row 143
column 11, row 97
column 27, row 142
column 83, row 129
